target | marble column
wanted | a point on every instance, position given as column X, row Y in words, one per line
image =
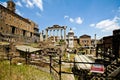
column 57, row 35
column 50, row 33
column 65, row 34
column 41, row 37
column 61, row 33
column 46, row 34
column 43, row 34
column 57, row 32
column 53, row 32
column 95, row 41
column 54, row 35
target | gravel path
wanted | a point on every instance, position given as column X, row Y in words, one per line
column 69, row 77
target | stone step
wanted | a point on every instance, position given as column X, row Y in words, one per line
column 102, row 78
column 111, row 68
column 98, row 78
column 114, row 66
column 109, row 71
column 115, row 72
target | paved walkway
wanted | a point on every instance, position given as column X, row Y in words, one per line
column 69, row 77
column 83, row 58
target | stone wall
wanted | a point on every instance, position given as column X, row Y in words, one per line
column 15, row 27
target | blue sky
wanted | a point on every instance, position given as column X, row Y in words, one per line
column 90, row 17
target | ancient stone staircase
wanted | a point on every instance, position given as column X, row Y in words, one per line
column 111, row 72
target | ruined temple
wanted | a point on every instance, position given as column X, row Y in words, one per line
column 14, row 27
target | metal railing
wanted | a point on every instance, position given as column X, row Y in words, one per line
column 82, row 72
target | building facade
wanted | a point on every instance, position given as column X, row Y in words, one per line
column 116, row 43
column 14, row 28
column 109, row 46
column 70, row 39
column 85, row 40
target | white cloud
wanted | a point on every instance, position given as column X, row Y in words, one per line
column 71, row 20
column 39, row 4
column 65, row 17
column 38, row 14
column 19, row 4
column 29, row 4
column 108, row 25
column 4, row 4
column 78, row 20
column 92, row 25
column 18, row 12
column 33, row 3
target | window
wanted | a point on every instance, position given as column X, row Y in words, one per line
column 13, row 30
column 24, row 32
column 31, row 34
column 1, row 28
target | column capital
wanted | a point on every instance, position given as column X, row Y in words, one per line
column 65, row 27
column 46, row 34
column 46, row 29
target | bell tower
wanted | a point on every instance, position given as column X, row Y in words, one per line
column 71, row 38
column 11, row 5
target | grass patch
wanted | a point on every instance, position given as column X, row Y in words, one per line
column 21, row 72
